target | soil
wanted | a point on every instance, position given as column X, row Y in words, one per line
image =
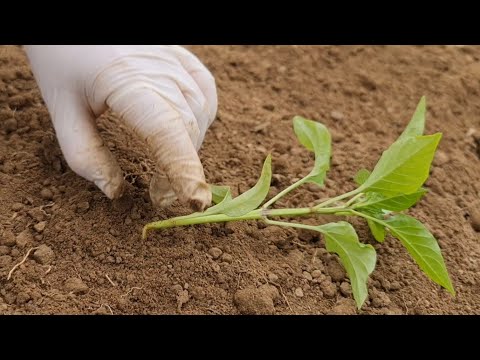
column 91, row 259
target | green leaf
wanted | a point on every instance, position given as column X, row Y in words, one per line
column 417, row 123
column 252, row 198
column 379, row 202
column 361, row 176
column 315, row 137
column 403, row 167
column 357, row 258
column 377, row 230
column 422, row 246
column 219, row 193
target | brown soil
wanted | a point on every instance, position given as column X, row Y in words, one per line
column 94, row 261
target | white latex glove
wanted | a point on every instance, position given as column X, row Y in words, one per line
column 164, row 93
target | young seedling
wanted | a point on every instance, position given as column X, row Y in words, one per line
column 381, row 198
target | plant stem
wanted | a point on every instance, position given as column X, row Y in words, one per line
column 338, row 198
column 284, row 192
column 252, row 215
column 352, row 200
column 365, row 216
column 287, row 224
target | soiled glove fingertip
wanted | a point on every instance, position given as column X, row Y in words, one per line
column 201, row 197
column 113, row 189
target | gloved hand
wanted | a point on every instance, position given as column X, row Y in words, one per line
column 163, row 92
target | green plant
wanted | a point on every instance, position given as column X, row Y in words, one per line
column 382, row 195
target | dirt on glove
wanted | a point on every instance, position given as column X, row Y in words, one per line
column 91, row 259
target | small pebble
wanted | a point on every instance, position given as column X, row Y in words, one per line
column 215, row 252
column 46, row 194
column 299, row 292
column 316, row 273
column 337, row 115
column 441, row 158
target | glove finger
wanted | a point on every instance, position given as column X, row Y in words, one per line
column 82, row 146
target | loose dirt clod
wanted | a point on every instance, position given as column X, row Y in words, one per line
column 17, row 206
column 272, row 277
column 299, row 292
column 345, row 289
column 7, row 238
column 475, row 218
column 307, row 276
column 4, row 250
column 10, row 125
column 336, row 271
column 226, row 258
column 253, row 301
column 380, row 299
column 344, row 307
column 83, row 207
column 24, row 238
column 39, row 227
column 182, row 298
column 46, row 194
column 76, row 286
column 44, row 255
column 215, row 252
column 5, row 260
column 328, row 288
